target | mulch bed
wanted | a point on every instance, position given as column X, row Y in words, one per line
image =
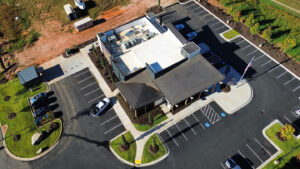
column 270, row 49
column 154, row 149
column 17, row 137
column 225, row 88
column 6, row 98
column 124, row 148
column 103, row 71
column 142, row 118
column 278, row 134
column 11, row 116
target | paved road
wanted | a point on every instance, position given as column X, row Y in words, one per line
column 276, row 92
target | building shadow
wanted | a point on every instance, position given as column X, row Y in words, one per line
column 99, row 21
column 52, row 73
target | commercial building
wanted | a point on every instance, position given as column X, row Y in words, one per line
column 155, row 65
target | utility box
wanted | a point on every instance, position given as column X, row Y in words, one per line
column 71, row 14
column 83, row 24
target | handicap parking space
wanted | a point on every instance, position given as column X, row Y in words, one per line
column 191, row 126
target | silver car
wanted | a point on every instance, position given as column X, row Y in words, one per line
column 100, row 107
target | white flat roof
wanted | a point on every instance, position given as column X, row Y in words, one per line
column 82, row 21
column 159, row 53
column 68, row 8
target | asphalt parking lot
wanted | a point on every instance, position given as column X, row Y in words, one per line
column 192, row 126
column 85, row 93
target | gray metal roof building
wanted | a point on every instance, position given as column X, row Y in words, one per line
column 29, row 76
column 187, row 79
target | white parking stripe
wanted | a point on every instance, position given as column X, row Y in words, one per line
column 198, row 121
column 245, row 158
column 108, row 120
column 195, row 9
column 266, row 63
column 172, row 138
column 252, row 52
column 81, row 73
column 187, row 6
column 246, row 47
column 205, row 15
column 280, row 75
column 296, row 88
column 210, row 19
column 223, row 166
column 181, row 132
column 84, row 79
column 288, row 81
column 88, row 85
column 200, row 12
column 262, row 147
column 240, row 42
column 91, row 92
column 95, row 99
column 190, row 127
column 113, row 128
column 277, row 66
column 258, row 58
column 290, row 121
column 254, row 153
column 215, row 24
column 220, row 27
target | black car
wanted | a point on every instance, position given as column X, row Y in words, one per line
column 41, row 111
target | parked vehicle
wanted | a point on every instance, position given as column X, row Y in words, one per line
column 100, row 107
column 41, row 111
column 297, row 112
column 39, row 121
column 191, row 35
column 80, row 4
column 72, row 51
column 37, row 97
column 204, row 48
column 179, row 27
column 230, row 163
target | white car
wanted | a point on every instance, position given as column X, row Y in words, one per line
column 297, row 112
column 80, row 4
column 100, row 107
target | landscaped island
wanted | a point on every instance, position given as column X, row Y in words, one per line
column 16, row 114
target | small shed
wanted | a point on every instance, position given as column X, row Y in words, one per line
column 29, row 77
column 71, row 14
column 83, row 24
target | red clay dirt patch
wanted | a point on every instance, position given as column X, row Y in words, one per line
column 55, row 39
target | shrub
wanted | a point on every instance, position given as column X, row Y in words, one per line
column 254, row 29
column 250, row 20
column 289, row 43
column 287, row 131
column 267, row 34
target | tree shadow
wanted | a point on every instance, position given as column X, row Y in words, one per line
column 104, row 143
column 280, row 33
column 25, row 109
column 266, row 21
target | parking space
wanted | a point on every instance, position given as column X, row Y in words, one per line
column 192, row 126
column 252, row 153
column 83, row 93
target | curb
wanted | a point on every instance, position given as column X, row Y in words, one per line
column 279, row 151
column 182, row 3
column 278, row 64
column 228, row 40
column 32, row 158
column 248, row 101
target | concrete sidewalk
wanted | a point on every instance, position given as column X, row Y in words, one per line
column 239, row 96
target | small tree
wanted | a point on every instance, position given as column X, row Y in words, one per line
column 149, row 118
column 254, row 29
column 289, row 43
column 236, row 17
column 267, row 34
column 287, row 131
column 250, row 20
column 102, row 62
column 153, row 142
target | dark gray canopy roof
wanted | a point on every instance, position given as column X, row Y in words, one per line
column 27, row 75
column 188, row 79
column 138, row 95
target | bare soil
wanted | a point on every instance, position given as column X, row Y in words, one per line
column 272, row 50
column 56, row 38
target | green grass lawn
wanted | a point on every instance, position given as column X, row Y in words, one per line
column 157, row 119
column 286, row 147
column 23, row 122
column 147, row 156
column 128, row 155
column 292, row 3
column 230, row 34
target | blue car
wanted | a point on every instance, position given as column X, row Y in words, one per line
column 37, row 97
column 191, row 36
column 40, row 111
column 179, row 27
